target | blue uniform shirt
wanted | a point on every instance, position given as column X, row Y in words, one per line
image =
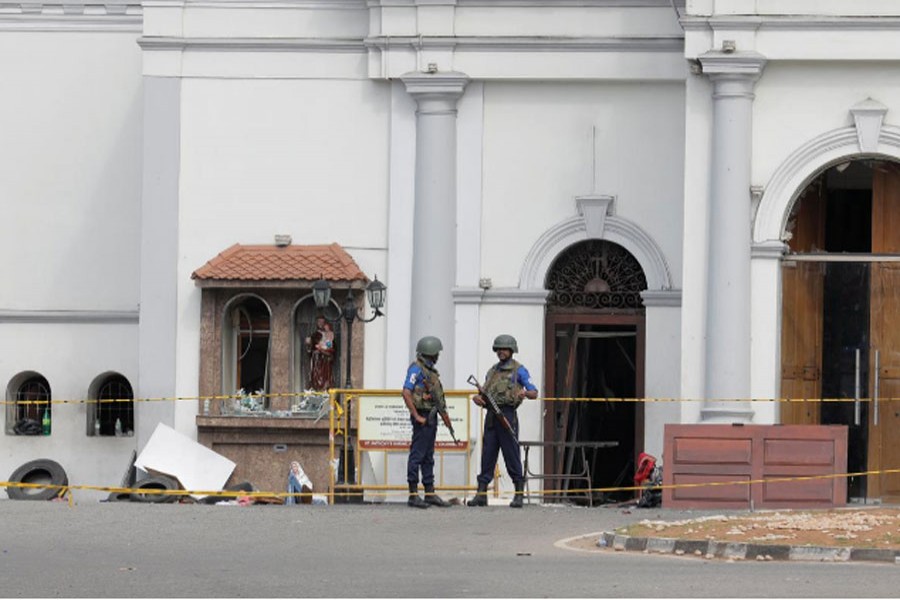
column 414, row 376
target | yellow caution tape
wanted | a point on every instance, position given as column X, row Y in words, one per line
column 388, row 490
column 397, row 393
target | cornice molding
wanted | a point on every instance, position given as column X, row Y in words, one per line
column 112, row 24
column 55, row 16
column 529, row 43
column 654, row 298
column 744, row 65
column 70, row 316
column 812, row 22
column 178, row 44
column 251, row 4
column 516, row 296
column 566, row 3
column 770, row 249
column 674, row 44
column 467, row 295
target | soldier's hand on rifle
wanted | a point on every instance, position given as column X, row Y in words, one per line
column 477, row 399
column 426, row 396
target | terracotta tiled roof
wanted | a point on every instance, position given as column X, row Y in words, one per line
column 286, row 263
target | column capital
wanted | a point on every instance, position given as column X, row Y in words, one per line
column 747, row 65
column 435, row 93
column 733, row 73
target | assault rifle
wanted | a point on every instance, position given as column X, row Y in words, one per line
column 494, row 408
column 436, row 411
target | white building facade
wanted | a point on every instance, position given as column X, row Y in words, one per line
column 613, row 182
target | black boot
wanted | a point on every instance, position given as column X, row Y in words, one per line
column 517, row 499
column 480, row 498
column 414, row 499
column 432, row 498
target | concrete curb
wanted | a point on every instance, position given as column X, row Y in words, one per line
column 744, row 551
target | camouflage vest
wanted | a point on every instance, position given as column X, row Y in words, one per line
column 433, row 379
column 501, row 383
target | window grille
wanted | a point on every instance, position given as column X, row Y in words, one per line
column 113, row 412
column 596, row 274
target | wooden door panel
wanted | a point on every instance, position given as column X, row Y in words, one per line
column 884, row 439
column 886, row 209
column 801, row 341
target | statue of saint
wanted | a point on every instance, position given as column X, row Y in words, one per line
column 320, row 347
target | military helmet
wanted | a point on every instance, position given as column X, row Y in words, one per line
column 429, row 346
column 505, row 341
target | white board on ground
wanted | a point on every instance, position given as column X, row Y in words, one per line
column 170, row 453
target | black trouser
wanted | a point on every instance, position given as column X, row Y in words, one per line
column 497, row 438
column 421, row 453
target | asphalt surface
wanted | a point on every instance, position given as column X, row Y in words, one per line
column 49, row 549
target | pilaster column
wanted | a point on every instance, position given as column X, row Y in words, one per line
column 733, row 75
column 434, row 223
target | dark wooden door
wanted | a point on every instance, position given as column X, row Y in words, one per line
column 884, row 413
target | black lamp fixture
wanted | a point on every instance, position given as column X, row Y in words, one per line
column 376, row 292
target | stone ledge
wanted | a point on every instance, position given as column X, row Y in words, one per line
column 744, row 551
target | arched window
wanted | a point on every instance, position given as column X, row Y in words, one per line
column 30, row 412
column 113, row 412
column 596, row 274
column 245, row 347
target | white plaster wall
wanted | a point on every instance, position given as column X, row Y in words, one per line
column 662, row 374
column 545, row 144
column 793, row 7
column 70, row 166
column 571, row 20
column 333, row 19
column 70, row 357
column 260, row 157
column 796, row 102
column 70, row 163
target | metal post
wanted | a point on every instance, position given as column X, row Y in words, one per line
column 349, row 462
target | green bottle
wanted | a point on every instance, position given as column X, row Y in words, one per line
column 45, row 422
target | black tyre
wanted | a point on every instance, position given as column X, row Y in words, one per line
column 118, row 497
column 158, row 482
column 42, row 471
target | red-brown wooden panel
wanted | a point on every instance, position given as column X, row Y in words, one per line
column 794, row 452
column 737, row 492
column 809, row 491
column 712, row 450
column 711, row 453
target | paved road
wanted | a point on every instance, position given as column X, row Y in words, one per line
column 48, row 549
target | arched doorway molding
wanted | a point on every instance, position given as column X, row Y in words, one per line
column 595, row 221
column 662, row 302
column 810, row 159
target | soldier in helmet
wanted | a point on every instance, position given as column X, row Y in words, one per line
column 422, row 391
column 508, row 383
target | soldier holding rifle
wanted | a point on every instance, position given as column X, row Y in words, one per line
column 506, row 385
column 424, row 397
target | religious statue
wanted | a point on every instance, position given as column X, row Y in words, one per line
column 320, row 347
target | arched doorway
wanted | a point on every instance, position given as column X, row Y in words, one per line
column 594, row 343
column 840, row 306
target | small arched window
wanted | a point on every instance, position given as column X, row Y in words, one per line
column 112, row 413
column 30, row 412
column 245, row 352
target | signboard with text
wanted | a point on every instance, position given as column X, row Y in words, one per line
column 384, row 424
